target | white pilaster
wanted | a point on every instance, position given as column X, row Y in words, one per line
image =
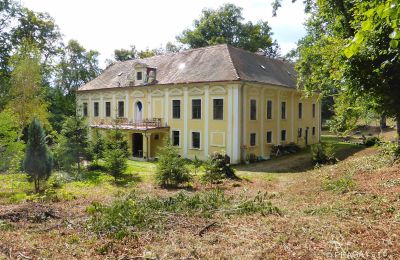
column 166, row 106
column 206, row 118
column 262, row 118
column 102, row 107
column 149, row 103
column 126, row 104
column 114, row 108
column 279, row 118
column 236, row 125
column 292, row 118
column 185, row 121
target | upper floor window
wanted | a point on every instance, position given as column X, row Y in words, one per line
column 283, row 110
column 300, row 110
column 196, row 140
column 139, row 75
column 269, row 109
column 313, row 110
column 196, row 108
column 218, row 105
column 253, row 139
column 121, row 109
column 253, row 109
column 108, row 109
column 176, row 109
column 85, row 109
column 96, row 109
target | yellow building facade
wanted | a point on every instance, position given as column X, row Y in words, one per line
column 236, row 116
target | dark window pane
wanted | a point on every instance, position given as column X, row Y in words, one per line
column 253, row 109
column 313, row 130
column 269, row 109
column 196, row 140
column 300, row 110
column 139, row 75
column 283, row 110
column 283, row 135
column 121, row 109
column 313, row 110
column 269, row 137
column 175, row 138
column 218, row 109
column 252, row 139
column 300, row 132
column 196, row 108
column 96, row 108
column 176, row 109
column 108, row 109
column 85, row 109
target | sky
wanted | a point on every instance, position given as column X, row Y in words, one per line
column 106, row 25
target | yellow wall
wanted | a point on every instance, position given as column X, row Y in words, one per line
column 232, row 133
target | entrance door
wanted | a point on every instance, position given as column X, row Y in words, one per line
column 306, row 136
column 137, row 145
column 138, row 111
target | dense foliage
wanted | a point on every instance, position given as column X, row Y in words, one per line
column 116, row 153
column 38, row 162
column 217, row 168
column 226, row 25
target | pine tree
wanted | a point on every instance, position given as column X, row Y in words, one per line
column 116, row 153
column 97, row 146
column 74, row 142
column 38, row 161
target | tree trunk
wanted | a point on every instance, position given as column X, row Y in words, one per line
column 382, row 122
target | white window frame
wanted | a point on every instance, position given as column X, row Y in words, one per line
column 223, row 108
column 272, row 109
column 272, row 136
column 172, row 137
column 201, row 108
column 191, row 140
column 257, row 112
column 255, row 141
column 172, row 108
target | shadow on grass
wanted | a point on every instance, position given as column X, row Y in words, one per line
column 127, row 179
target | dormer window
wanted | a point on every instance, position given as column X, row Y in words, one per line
column 139, row 75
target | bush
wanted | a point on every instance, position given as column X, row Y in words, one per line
column 171, row 169
column 323, row 153
column 390, row 149
column 116, row 153
column 217, row 168
column 342, row 185
column 372, row 141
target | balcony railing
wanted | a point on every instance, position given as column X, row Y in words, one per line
column 140, row 124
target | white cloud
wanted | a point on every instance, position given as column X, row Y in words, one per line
column 105, row 25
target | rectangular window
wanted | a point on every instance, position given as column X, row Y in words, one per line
column 269, row 137
column 121, row 107
column 299, row 132
column 300, row 110
column 175, row 138
column 196, row 108
column 196, row 140
column 108, row 109
column 313, row 130
column 252, row 139
column 283, row 135
column 85, row 109
column 253, row 109
column 269, row 109
column 176, row 109
column 283, row 110
column 139, row 75
column 313, row 110
column 96, row 109
column 218, row 105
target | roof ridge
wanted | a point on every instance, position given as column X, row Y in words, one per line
column 228, row 46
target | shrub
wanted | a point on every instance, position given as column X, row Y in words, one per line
column 171, row 168
column 116, row 153
column 371, row 141
column 390, row 149
column 218, row 167
column 341, row 185
column 323, row 153
column 96, row 147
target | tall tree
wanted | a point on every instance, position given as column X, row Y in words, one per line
column 38, row 162
column 226, row 25
column 27, row 94
column 11, row 147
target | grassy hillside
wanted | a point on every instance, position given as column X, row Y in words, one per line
column 283, row 208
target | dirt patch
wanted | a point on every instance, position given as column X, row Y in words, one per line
column 31, row 212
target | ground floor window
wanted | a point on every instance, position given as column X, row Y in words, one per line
column 269, row 137
column 283, row 135
column 313, row 130
column 300, row 132
column 175, row 138
column 253, row 139
column 196, row 140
